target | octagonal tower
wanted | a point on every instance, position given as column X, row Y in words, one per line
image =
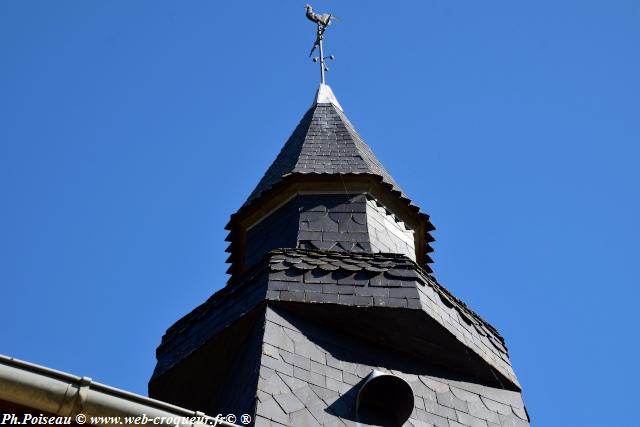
column 331, row 315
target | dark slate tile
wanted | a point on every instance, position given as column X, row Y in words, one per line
column 292, row 296
column 396, row 283
column 328, row 298
column 296, row 360
column 423, row 391
column 449, row 400
column 305, row 394
column 333, row 373
column 437, row 409
column 404, row 293
column 272, row 410
column 512, row 421
column 318, row 368
column 326, row 266
column 478, row 410
column 273, row 295
column 301, row 374
column 277, row 285
column 359, row 237
column 372, row 292
column 262, row 422
column 289, row 402
column 318, row 380
column 337, row 386
column 395, row 302
column 346, row 290
column 285, row 276
column 327, row 396
column 271, row 351
column 345, row 246
column 520, row 412
column 470, row 420
column 355, row 300
column 346, row 266
column 317, row 409
column 293, row 382
column 498, row 407
column 312, row 351
column 275, row 336
column 324, row 245
column 350, row 378
column 378, row 280
column 324, row 224
column 356, row 279
column 277, row 365
column 414, row 304
column 331, row 289
column 402, row 273
column 351, row 226
column 408, row 283
column 278, row 267
column 303, row 266
column 318, row 276
column 304, row 418
column 333, row 235
column 340, row 217
column 467, row 396
column 359, row 217
column 313, row 295
column 433, row 419
column 273, row 385
column 309, row 235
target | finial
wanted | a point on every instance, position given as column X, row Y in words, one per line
column 322, row 21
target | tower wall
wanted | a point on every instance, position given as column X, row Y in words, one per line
column 336, row 222
column 310, row 375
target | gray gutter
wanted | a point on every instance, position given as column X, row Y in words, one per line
column 62, row 394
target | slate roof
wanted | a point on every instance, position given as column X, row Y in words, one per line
column 394, row 266
column 353, row 279
column 324, row 142
column 370, row 270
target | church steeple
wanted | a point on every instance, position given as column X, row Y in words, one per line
column 327, row 190
column 331, row 315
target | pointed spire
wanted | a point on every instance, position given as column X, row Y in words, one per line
column 324, row 142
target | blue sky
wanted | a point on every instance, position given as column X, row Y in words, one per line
column 130, row 131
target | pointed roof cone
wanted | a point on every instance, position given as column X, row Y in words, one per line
column 324, row 142
column 324, row 146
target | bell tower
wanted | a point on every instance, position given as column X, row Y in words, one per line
column 331, row 315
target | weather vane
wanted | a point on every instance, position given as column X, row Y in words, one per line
column 323, row 22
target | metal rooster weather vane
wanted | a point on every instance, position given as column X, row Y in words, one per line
column 323, row 21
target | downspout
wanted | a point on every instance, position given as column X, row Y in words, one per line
column 63, row 394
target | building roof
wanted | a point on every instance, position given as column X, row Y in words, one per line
column 324, row 142
column 327, row 279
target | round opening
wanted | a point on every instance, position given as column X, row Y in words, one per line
column 384, row 400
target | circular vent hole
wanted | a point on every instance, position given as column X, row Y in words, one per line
column 384, row 400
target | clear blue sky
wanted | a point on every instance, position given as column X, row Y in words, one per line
column 130, row 131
